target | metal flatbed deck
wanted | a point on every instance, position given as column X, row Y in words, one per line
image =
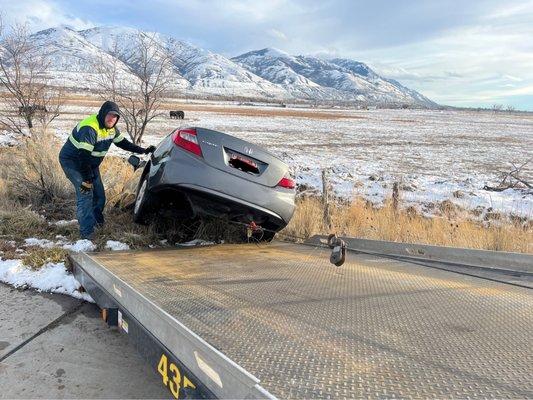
column 280, row 320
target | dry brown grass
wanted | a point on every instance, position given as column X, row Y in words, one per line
column 18, row 223
column 361, row 219
column 120, row 180
column 252, row 111
column 8, row 249
column 281, row 112
column 37, row 257
column 119, row 226
column 31, row 175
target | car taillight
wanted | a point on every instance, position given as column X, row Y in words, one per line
column 187, row 139
column 287, row 182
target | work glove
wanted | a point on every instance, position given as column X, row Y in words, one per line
column 86, row 187
column 149, row 149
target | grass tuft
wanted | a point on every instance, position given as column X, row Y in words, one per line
column 18, row 224
column 38, row 257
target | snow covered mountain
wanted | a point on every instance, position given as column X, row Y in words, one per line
column 336, row 79
column 212, row 73
column 72, row 57
column 121, row 43
column 262, row 74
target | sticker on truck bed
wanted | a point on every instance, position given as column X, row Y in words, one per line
column 122, row 324
column 117, row 290
column 173, row 379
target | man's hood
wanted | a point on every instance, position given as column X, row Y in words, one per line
column 107, row 107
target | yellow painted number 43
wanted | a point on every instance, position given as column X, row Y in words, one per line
column 172, row 377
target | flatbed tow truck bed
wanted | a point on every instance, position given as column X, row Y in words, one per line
column 279, row 320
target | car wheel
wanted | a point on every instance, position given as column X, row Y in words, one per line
column 142, row 202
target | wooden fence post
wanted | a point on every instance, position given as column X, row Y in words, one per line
column 325, row 200
column 395, row 196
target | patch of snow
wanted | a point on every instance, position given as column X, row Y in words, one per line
column 64, row 223
column 116, row 246
column 8, row 139
column 45, row 243
column 196, row 242
column 81, row 245
column 52, row 277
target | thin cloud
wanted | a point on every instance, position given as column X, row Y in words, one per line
column 277, row 34
column 38, row 15
column 448, row 49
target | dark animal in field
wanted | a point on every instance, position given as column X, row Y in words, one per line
column 177, row 114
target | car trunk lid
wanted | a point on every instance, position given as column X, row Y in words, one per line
column 240, row 158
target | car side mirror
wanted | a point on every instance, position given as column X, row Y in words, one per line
column 136, row 162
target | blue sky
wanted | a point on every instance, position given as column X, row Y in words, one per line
column 455, row 52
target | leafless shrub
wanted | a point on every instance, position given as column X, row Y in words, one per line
column 34, row 174
column 512, row 179
column 24, row 75
column 151, row 69
column 120, row 181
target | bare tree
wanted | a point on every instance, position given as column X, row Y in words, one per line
column 24, row 70
column 139, row 98
column 510, row 109
column 497, row 107
column 108, row 69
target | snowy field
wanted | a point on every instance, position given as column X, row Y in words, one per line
column 431, row 153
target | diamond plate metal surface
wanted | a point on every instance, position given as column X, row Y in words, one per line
column 373, row 328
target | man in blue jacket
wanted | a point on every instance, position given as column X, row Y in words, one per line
column 81, row 156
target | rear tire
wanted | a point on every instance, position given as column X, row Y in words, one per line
column 143, row 201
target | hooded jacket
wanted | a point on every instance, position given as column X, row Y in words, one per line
column 90, row 140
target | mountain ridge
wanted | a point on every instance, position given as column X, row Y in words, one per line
column 266, row 74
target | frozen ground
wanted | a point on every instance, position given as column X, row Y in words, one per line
column 432, row 153
column 52, row 277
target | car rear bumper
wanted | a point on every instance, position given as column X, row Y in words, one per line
column 211, row 188
column 209, row 202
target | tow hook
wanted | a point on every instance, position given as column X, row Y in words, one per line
column 251, row 228
column 338, row 253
